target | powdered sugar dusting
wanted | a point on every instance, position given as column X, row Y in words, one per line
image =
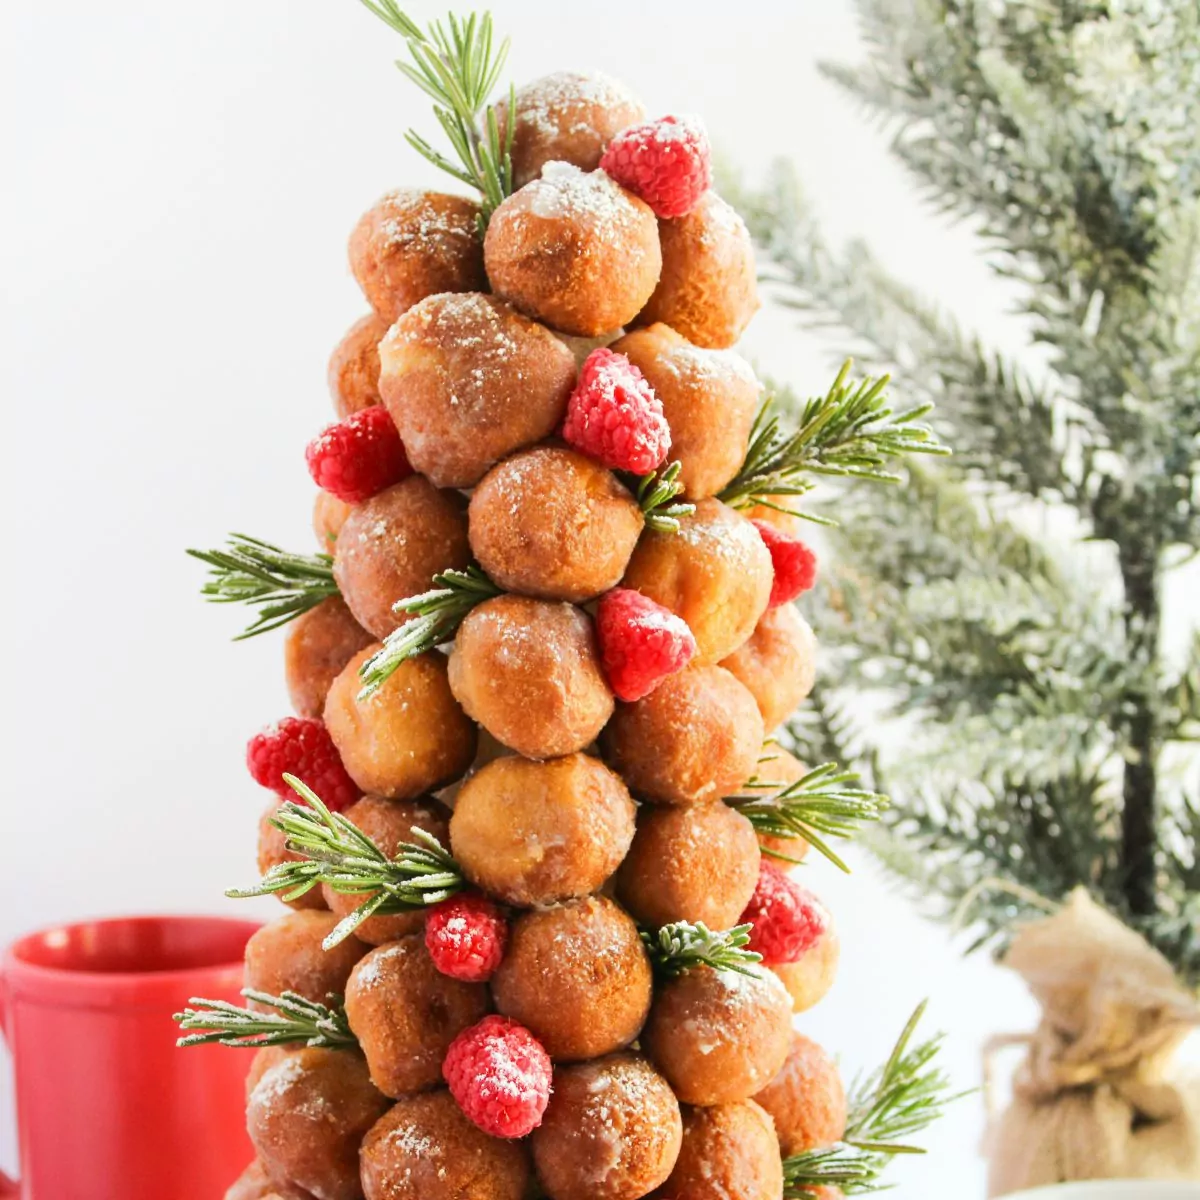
column 563, row 101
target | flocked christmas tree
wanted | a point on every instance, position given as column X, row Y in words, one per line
column 537, row 840
column 1007, row 605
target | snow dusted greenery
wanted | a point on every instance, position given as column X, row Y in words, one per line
column 1005, row 605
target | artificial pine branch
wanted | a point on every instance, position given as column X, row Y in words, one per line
column 898, row 1100
column 438, row 614
column 295, row 1021
column 336, row 852
column 656, row 495
column 821, row 804
column 851, row 431
column 282, row 586
column 458, row 65
column 682, row 946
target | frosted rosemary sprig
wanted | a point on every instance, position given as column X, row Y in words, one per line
column 439, row 613
column 296, row 1020
column 656, row 494
column 899, row 1099
column 850, row 431
column 680, row 946
column 336, row 852
column 280, row 585
column 458, row 65
column 820, row 804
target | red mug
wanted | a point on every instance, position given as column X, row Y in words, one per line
column 107, row 1107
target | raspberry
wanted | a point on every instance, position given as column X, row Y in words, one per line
column 641, row 642
column 794, row 562
column 466, row 936
column 355, row 458
column 499, row 1074
column 788, row 920
column 667, row 163
column 614, row 416
column 301, row 746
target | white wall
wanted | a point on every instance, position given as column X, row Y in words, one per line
column 178, row 181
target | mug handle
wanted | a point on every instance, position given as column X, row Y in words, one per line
column 9, row 1188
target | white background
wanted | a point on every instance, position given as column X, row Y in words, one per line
column 178, row 184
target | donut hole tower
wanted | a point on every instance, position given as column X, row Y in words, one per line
column 545, row 933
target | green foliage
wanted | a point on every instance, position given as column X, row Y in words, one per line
column 1002, row 609
column 295, row 1021
column 683, row 946
column 656, row 496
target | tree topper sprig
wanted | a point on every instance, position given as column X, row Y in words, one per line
column 899, row 1099
column 296, row 1020
column 281, row 585
column 823, row 803
column 682, row 945
column 458, row 65
column 438, row 613
column 336, row 852
column 850, row 431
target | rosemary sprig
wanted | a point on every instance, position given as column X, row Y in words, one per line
column 850, row 431
column 821, row 804
column 656, row 493
column 439, row 614
column 680, row 946
column 296, row 1020
column 458, row 65
column 899, row 1099
column 338, row 853
column 280, row 585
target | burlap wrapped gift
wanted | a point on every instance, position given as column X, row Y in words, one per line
column 1095, row 1098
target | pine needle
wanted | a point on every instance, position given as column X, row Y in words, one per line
column 656, row 495
column 296, row 1020
column 682, row 945
column 281, row 585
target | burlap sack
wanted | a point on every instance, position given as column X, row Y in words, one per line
column 1093, row 1098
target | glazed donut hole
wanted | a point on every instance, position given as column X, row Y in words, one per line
column 424, row 1148
column 695, row 738
column 407, row 738
column 779, row 768
column 577, row 976
column 316, row 646
column 715, row 573
column 255, row 1184
column 612, row 1131
column 354, row 366
column 414, row 244
column 719, row 1036
column 264, row 1060
column 806, row 1100
column 329, row 515
column 708, row 289
column 405, row 1014
column 550, row 523
column 575, row 250
column 777, row 663
column 809, row 979
column 729, row 1152
column 698, row 863
column 388, row 823
column 392, row 545
column 306, row 1118
column 566, row 117
column 272, row 850
column 467, row 379
column 709, row 398
column 533, row 833
column 287, row 956
column 529, row 672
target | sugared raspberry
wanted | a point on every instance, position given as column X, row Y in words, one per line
column 466, row 936
column 355, row 458
column 614, row 416
column 667, row 163
column 788, row 920
column 641, row 642
column 794, row 562
column 500, row 1075
column 301, row 746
